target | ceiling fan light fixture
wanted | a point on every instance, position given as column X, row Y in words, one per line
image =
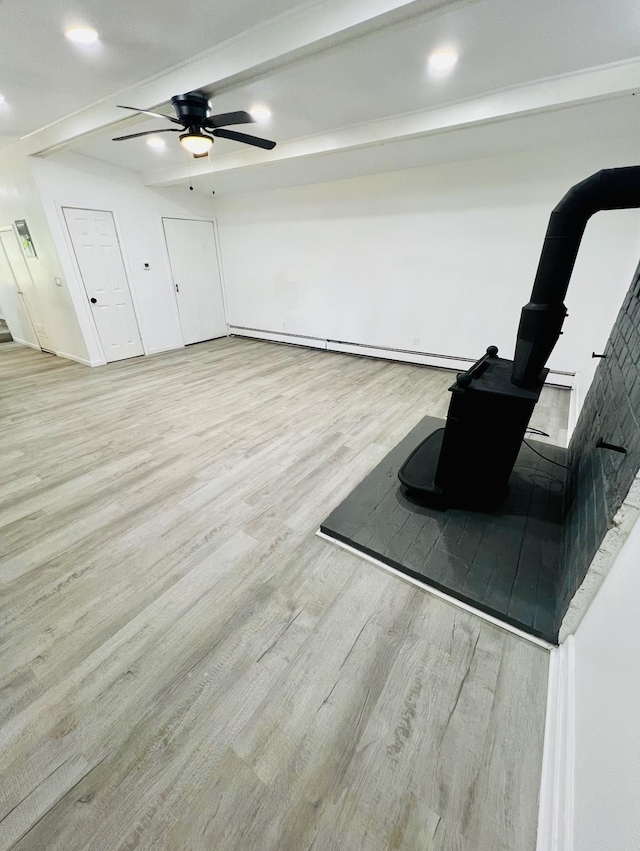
column 198, row 144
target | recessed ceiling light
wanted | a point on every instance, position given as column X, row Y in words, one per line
column 156, row 142
column 442, row 60
column 260, row 113
column 82, row 35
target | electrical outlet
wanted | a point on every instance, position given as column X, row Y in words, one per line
column 58, row 282
column 416, row 341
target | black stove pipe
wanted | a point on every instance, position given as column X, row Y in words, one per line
column 542, row 318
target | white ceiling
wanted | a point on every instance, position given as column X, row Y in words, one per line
column 44, row 77
column 503, row 44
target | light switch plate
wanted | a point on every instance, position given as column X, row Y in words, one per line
column 58, row 282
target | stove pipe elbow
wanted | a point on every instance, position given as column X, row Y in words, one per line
column 542, row 318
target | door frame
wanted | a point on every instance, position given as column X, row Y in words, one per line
column 83, row 290
column 36, row 345
column 216, row 240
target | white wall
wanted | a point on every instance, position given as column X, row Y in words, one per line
column 607, row 712
column 437, row 259
column 76, row 181
column 19, row 199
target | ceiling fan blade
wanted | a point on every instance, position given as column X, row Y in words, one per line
column 147, row 133
column 227, row 118
column 243, row 137
column 148, row 112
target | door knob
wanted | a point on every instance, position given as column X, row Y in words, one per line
column 93, row 300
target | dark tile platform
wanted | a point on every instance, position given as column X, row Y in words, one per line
column 504, row 563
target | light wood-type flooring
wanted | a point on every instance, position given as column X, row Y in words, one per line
column 185, row 666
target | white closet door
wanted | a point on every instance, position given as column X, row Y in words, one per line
column 26, row 287
column 13, row 304
column 196, row 277
column 97, row 249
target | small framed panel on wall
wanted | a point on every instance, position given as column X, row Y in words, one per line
column 25, row 239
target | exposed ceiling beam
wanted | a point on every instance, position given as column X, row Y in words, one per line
column 304, row 30
column 540, row 96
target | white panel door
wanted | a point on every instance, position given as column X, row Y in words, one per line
column 26, row 287
column 13, row 304
column 95, row 243
column 196, row 277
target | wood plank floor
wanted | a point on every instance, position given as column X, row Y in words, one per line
column 185, row 666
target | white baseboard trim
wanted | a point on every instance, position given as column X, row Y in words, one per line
column 166, row 349
column 77, row 359
column 277, row 337
column 561, row 379
column 436, row 592
column 26, row 343
column 420, row 358
column 555, row 819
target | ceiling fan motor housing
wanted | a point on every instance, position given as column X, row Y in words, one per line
column 191, row 108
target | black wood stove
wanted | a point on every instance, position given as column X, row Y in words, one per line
column 467, row 464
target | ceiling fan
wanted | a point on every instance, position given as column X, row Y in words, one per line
column 197, row 129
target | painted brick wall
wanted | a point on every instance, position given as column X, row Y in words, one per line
column 599, row 479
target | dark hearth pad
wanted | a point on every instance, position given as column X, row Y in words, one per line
column 504, row 563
